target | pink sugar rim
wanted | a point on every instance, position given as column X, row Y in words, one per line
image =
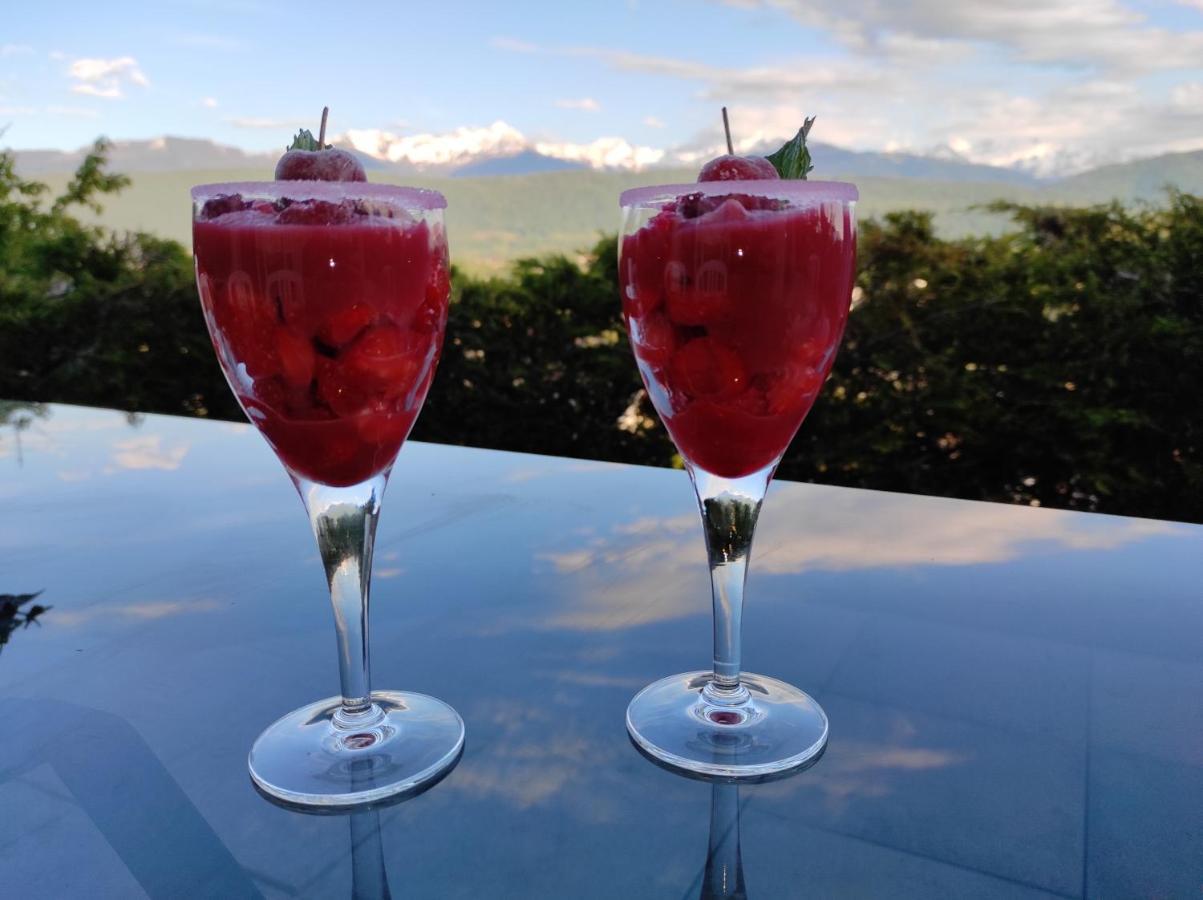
column 786, row 189
column 334, row 191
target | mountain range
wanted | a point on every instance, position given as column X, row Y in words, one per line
column 521, row 202
column 499, row 157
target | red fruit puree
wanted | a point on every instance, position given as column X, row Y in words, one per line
column 328, row 320
column 735, row 306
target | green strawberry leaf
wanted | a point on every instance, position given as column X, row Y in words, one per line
column 793, row 159
column 306, row 141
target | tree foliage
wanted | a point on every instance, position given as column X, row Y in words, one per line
column 1057, row 365
column 91, row 317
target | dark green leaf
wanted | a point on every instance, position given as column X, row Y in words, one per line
column 793, row 159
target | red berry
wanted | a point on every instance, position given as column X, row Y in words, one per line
column 340, row 391
column 222, row 204
column 382, row 429
column 653, row 338
column 739, row 168
column 432, row 314
column 319, row 165
column 705, row 368
column 697, row 297
column 317, row 212
column 386, row 359
column 297, row 358
column 249, row 327
column 343, row 325
column 644, row 255
column 799, row 382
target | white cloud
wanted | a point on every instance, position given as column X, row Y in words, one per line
column 785, row 81
column 1100, row 33
column 15, row 50
column 106, row 77
column 652, row 122
column 1000, row 84
column 108, row 92
column 137, row 612
column 81, row 112
column 458, row 146
column 647, row 570
column 499, row 139
column 57, row 54
column 147, row 452
column 209, row 102
column 604, row 153
column 587, row 104
column 267, row 122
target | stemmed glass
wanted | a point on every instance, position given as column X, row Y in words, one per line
column 327, row 303
column 735, row 295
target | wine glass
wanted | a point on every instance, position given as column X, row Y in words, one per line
column 735, row 295
column 327, row 303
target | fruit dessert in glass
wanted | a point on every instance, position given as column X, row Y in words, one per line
column 735, row 293
column 327, row 301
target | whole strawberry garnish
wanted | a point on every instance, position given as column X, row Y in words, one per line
column 312, row 159
column 791, row 161
column 738, row 168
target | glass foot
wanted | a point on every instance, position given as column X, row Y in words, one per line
column 315, row 756
column 775, row 729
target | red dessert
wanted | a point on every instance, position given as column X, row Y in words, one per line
column 327, row 314
column 735, row 303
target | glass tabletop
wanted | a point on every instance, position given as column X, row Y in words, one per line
column 1014, row 694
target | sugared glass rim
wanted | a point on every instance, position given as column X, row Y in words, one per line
column 332, row 191
column 785, row 189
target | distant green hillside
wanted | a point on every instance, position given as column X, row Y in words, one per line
column 492, row 220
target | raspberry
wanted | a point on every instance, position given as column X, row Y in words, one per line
column 317, row 212
column 222, row 204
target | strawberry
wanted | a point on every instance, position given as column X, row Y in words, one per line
column 341, row 393
column 738, row 168
column 344, row 324
column 697, row 297
column 706, row 368
column 317, row 212
column 311, row 159
column 385, row 358
column 249, row 328
column 297, row 358
column 653, row 338
column 643, row 260
column 386, row 428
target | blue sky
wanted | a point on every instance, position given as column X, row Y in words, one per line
column 1050, row 84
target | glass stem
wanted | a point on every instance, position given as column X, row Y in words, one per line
column 724, row 876
column 729, row 507
column 344, row 523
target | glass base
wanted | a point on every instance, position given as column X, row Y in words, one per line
column 772, row 728
column 317, row 756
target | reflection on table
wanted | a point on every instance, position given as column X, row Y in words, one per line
column 1013, row 693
